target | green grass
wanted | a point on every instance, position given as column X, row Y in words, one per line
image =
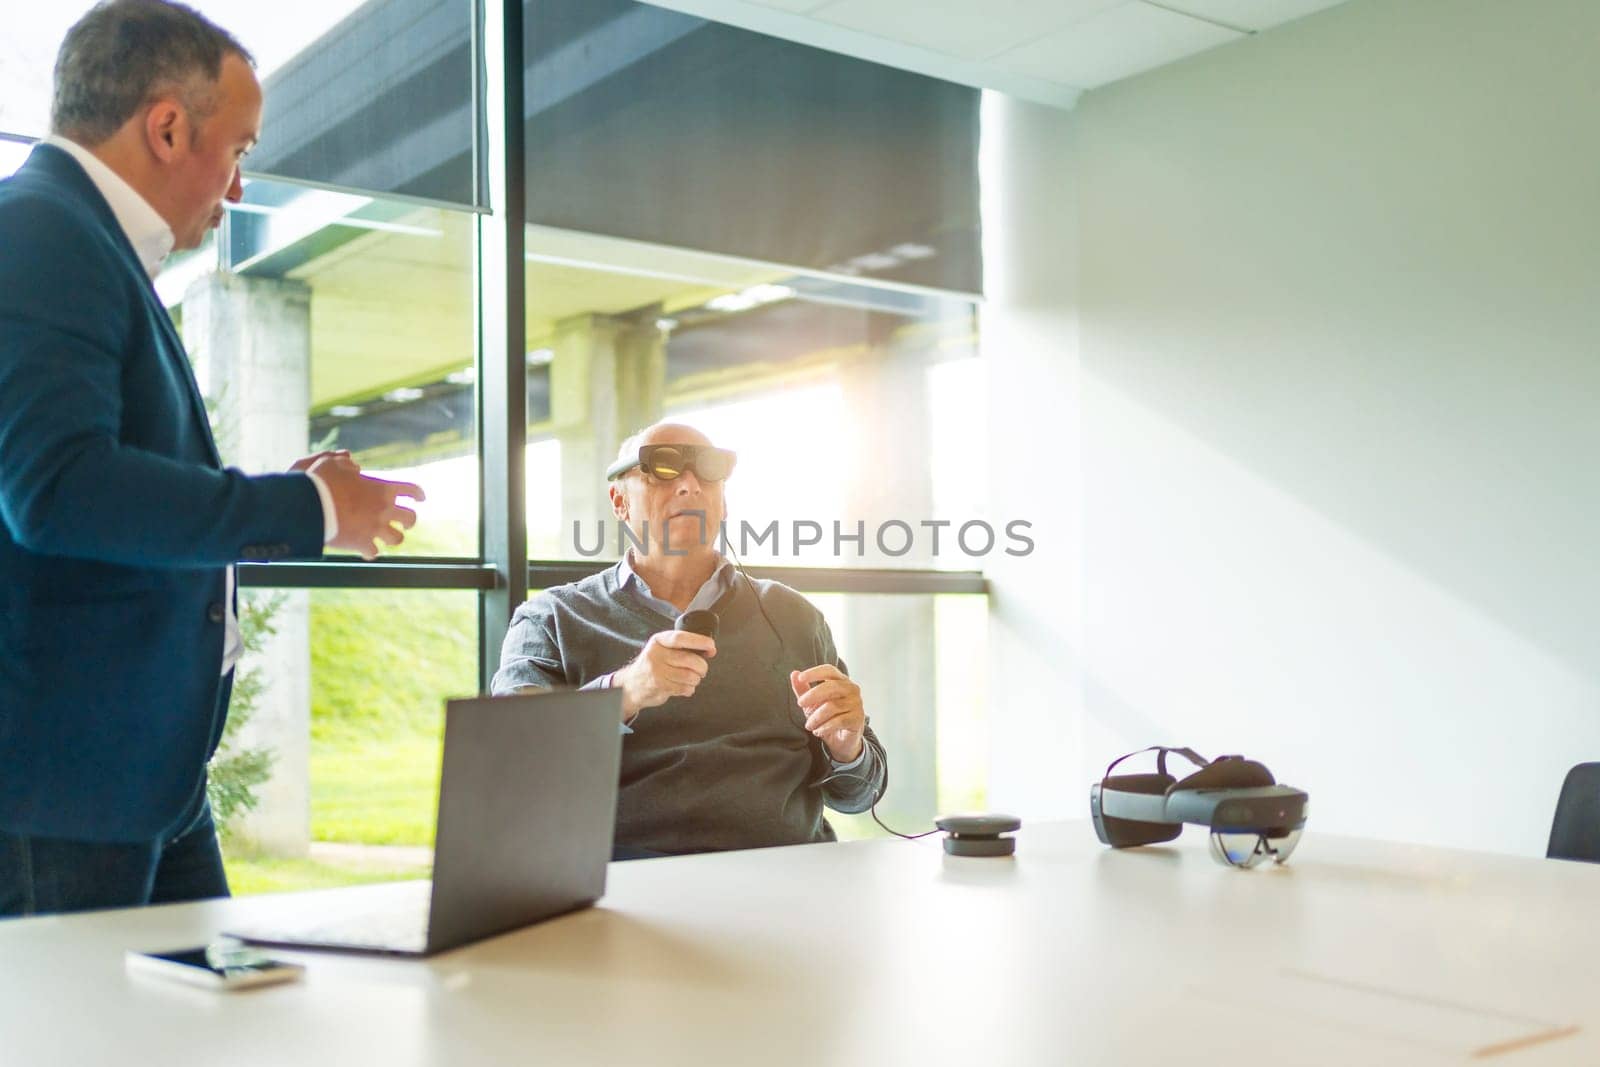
column 375, row 792
column 248, row 875
column 382, row 665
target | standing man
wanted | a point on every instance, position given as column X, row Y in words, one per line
column 118, row 523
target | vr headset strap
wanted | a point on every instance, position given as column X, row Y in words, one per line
column 1161, row 758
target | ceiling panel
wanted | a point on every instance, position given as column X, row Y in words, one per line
column 1043, row 50
column 967, row 30
column 1114, row 44
column 1250, row 14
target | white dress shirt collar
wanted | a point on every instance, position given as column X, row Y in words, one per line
column 147, row 231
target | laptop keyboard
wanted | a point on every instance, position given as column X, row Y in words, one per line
column 399, row 925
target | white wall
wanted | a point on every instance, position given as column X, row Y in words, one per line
column 1330, row 358
column 1029, row 339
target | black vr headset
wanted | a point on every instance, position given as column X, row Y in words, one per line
column 1251, row 817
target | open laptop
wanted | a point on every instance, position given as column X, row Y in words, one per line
column 527, row 807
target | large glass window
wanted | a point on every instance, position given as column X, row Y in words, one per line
column 333, row 320
column 921, row 664
column 658, row 126
column 738, row 252
column 850, row 405
column 386, row 288
column 345, row 318
column 375, row 95
column 381, row 99
column 776, row 244
column 363, row 675
column 382, row 665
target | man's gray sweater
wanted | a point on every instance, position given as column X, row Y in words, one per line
column 731, row 766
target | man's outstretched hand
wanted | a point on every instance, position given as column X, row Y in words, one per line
column 365, row 508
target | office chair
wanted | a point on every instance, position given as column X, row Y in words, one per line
column 1575, row 833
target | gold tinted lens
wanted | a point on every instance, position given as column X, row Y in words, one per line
column 665, row 463
column 713, row 464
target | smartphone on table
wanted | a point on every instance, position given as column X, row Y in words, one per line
column 223, row 964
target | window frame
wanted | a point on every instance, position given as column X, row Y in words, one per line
column 501, row 573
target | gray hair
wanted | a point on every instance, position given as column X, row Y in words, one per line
column 630, row 448
column 125, row 53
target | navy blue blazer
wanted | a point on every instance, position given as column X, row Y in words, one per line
column 117, row 521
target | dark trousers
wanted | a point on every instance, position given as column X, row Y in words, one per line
column 42, row 875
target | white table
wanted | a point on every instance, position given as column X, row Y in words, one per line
column 889, row 952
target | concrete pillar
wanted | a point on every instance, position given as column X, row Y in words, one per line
column 891, row 653
column 607, row 379
column 250, row 339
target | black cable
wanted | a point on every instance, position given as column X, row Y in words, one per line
column 739, row 566
column 897, row 833
column 873, row 810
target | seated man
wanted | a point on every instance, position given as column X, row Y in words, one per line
column 736, row 742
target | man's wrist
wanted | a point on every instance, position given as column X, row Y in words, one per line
column 616, row 680
column 330, row 517
column 846, row 764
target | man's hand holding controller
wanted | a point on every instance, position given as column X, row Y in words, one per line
column 671, row 664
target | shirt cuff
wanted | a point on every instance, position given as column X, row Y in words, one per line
column 330, row 518
column 853, row 764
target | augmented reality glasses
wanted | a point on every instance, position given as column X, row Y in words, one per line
column 667, row 462
column 1251, row 817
